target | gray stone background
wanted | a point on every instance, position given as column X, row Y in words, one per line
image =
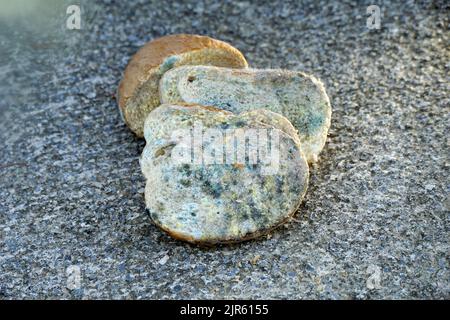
column 375, row 221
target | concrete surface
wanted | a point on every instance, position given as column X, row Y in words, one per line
column 375, row 223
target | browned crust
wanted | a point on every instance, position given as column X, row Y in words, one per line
column 153, row 54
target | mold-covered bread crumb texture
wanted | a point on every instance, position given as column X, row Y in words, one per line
column 299, row 97
column 219, row 202
column 138, row 90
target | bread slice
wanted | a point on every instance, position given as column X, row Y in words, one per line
column 211, row 203
column 138, row 90
column 299, row 97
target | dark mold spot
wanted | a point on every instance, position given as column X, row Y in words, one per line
column 240, row 123
column 164, row 150
column 214, row 189
column 186, row 169
column 185, row 183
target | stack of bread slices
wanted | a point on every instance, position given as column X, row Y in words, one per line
column 228, row 147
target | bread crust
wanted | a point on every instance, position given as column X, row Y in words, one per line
column 152, row 55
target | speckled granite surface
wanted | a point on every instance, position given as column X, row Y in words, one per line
column 375, row 223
